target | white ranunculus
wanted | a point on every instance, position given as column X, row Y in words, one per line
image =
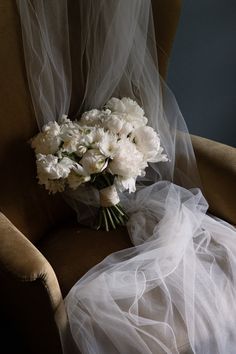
column 48, row 141
column 48, row 167
column 75, row 179
column 148, row 142
column 128, row 161
column 123, row 184
column 93, row 161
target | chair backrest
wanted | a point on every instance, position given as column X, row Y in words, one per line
column 22, row 200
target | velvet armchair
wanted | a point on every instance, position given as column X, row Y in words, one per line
column 43, row 251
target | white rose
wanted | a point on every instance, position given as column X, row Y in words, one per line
column 148, row 142
column 93, row 161
column 128, row 161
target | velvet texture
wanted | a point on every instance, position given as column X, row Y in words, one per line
column 31, row 221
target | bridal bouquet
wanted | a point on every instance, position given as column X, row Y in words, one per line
column 107, row 149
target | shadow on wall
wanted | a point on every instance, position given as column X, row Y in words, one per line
column 202, row 70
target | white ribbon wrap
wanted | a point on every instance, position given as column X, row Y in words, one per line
column 109, row 196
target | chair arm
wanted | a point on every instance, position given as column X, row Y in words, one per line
column 217, row 168
column 30, row 294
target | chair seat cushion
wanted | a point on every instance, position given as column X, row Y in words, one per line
column 72, row 250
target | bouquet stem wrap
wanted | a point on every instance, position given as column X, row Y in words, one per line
column 111, row 213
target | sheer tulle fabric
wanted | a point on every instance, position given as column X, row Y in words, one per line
column 45, row 34
column 174, row 291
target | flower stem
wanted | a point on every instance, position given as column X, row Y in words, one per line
column 105, row 219
column 110, row 218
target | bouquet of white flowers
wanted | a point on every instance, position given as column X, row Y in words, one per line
column 106, row 148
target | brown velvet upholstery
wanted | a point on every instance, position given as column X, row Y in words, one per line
column 22, row 200
column 73, row 250
column 30, row 293
column 217, row 167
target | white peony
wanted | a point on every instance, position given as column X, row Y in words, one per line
column 123, row 184
column 148, row 142
column 99, row 134
column 128, row 161
column 91, row 118
column 136, row 121
column 126, row 129
column 132, row 107
column 93, row 161
column 64, row 119
column 114, row 123
column 70, row 130
column 48, row 167
column 57, row 185
column 129, row 109
column 52, row 128
column 115, row 105
column 108, row 145
column 48, row 141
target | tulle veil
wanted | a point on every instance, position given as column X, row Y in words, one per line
column 164, row 295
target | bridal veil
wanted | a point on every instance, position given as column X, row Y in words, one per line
column 174, row 291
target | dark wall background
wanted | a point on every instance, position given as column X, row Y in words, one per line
column 202, row 70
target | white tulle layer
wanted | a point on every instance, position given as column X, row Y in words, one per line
column 173, row 292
